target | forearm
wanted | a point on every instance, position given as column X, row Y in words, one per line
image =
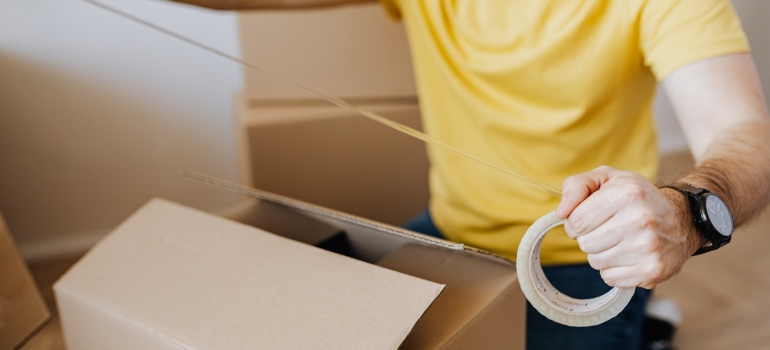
column 720, row 105
column 736, row 166
column 265, row 4
column 637, row 234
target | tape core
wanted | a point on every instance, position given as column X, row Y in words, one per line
column 548, row 300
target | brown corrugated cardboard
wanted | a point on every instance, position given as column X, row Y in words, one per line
column 482, row 306
column 479, row 304
column 298, row 145
column 346, row 163
column 22, row 309
column 174, row 278
column 348, row 51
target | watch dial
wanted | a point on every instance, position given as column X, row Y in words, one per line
column 719, row 215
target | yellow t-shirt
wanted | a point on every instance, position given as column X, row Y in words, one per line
column 547, row 88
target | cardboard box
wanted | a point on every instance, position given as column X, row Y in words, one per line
column 298, row 145
column 343, row 161
column 22, row 309
column 355, row 52
column 282, row 274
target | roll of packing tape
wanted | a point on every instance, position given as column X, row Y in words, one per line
column 553, row 304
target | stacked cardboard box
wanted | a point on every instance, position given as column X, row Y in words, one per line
column 280, row 274
column 22, row 310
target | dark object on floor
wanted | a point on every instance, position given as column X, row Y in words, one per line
column 660, row 323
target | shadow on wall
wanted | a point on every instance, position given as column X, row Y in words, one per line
column 76, row 157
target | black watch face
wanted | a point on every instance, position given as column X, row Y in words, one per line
column 719, row 215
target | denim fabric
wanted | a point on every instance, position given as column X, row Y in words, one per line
column 579, row 281
column 423, row 223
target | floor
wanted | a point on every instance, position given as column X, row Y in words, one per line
column 724, row 296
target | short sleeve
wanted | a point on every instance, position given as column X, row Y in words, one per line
column 675, row 33
column 391, row 7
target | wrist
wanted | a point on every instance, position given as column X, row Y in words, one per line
column 684, row 217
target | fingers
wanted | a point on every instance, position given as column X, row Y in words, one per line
column 627, row 277
column 627, row 270
column 626, row 224
column 584, row 202
column 644, row 224
column 576, row 189
column 606, row 236
column 620, row 194
column 614, row 257
column 592, row 213
column 632, row 263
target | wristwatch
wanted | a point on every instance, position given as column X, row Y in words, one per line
column 713, row 219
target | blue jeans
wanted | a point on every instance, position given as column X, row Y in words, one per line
column 579, row 281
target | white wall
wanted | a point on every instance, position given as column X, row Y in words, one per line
column 755, row 15
column 97, row 113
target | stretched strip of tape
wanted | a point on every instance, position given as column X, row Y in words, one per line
column 540, row 293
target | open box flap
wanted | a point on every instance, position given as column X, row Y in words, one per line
column 342, row 220
column 205, row 282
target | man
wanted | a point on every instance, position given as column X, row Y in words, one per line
column 561, row 91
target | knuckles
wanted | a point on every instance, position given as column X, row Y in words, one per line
column 655, row 272
column 608, row 279
column 604, row 169
column 651, row 245
column 584, row 242
column 646, row 219
column 575, row 226
column 595, row 262
column 635, row 191
column 572, row 183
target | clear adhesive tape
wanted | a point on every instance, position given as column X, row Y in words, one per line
column 546, row 299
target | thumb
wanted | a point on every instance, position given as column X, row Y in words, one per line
column 577, row 188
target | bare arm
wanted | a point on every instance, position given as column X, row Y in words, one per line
column 721, row 108
column 266, row 4
column 638, row 235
